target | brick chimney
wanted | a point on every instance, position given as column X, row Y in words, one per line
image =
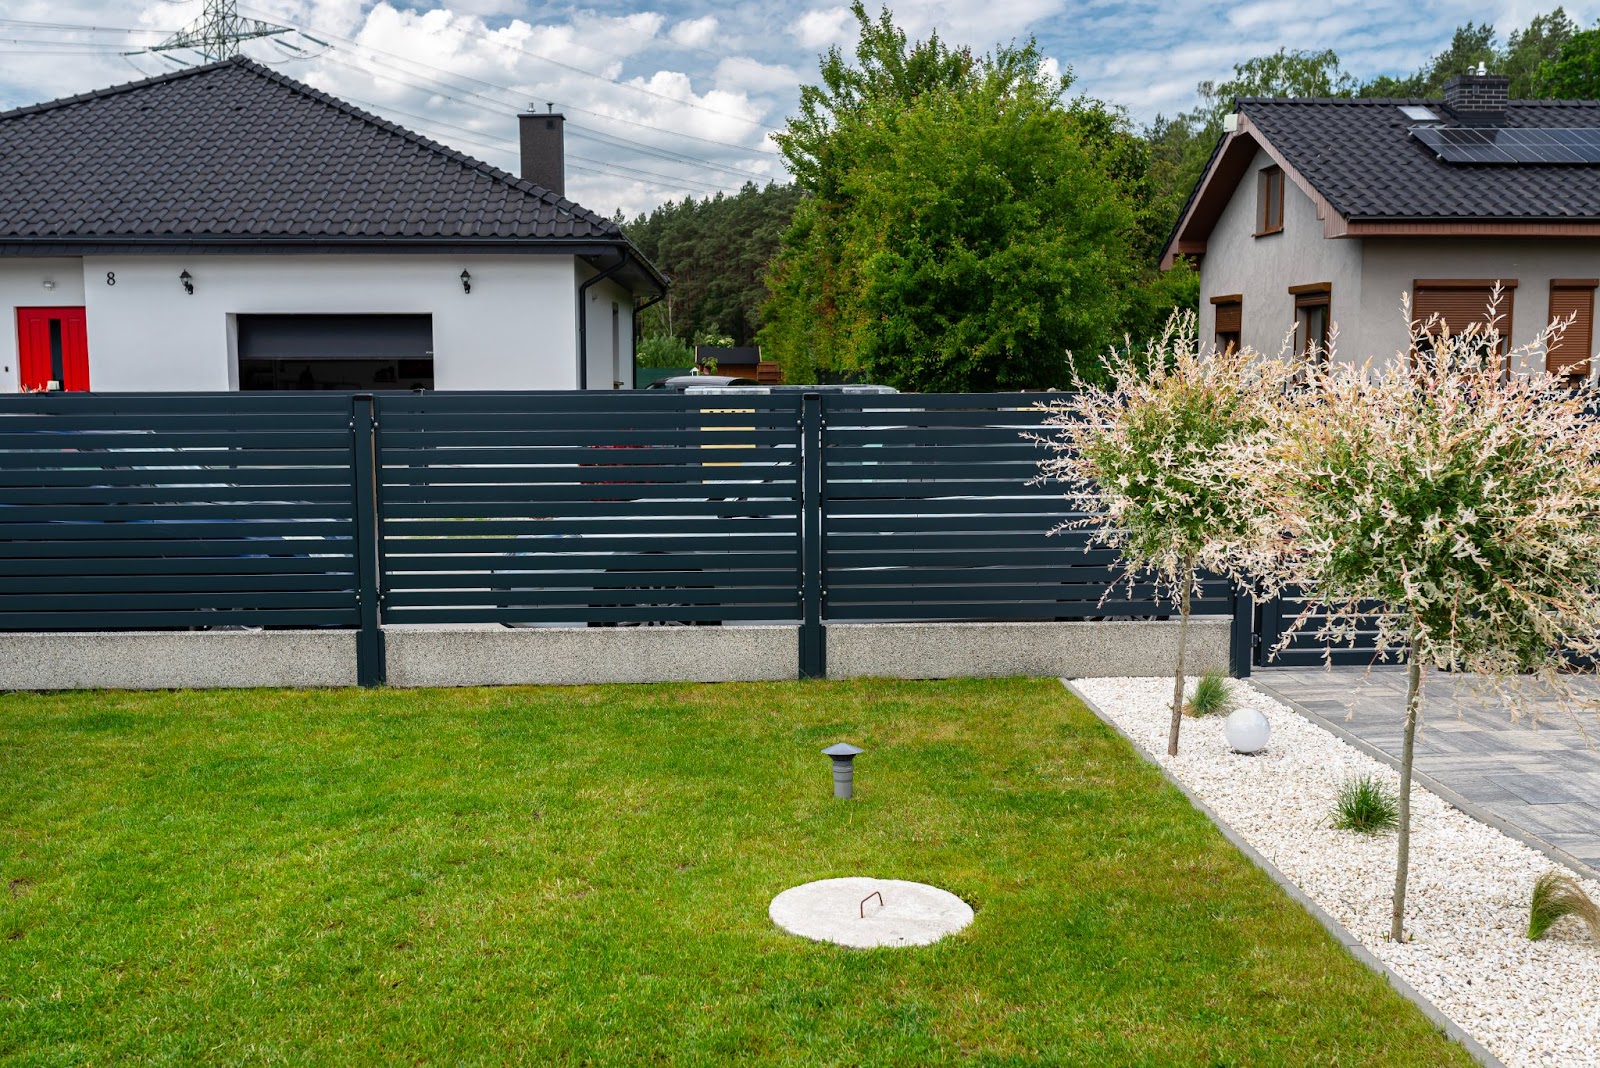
column 544, row 154
column 1477, row 99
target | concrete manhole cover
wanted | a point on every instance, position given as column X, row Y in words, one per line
column 863, row 913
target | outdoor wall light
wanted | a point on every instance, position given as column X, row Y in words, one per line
column 188, row 282
column 844, row 769
column 466, row 282
column 49, row 284
column 1246, row 731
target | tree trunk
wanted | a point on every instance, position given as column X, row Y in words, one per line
column 1413, row 709
column 1183, row 642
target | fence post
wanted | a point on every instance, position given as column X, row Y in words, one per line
column 371, row 670
column 1242, row 634
column 813, row 636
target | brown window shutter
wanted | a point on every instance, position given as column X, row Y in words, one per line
column 1230, row 318
column 1569, row 355
column 1460, row 305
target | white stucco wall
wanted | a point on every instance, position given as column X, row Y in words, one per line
column 515, row 330
column 1391, row 266
column 602, row 297
column 22, row 286
column 1263, row 268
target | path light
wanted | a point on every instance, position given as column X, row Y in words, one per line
column 844, row 768
column 1247, row 731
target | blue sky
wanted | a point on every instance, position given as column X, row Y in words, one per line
column 666, row 99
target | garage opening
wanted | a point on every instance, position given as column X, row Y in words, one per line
column 354, row 352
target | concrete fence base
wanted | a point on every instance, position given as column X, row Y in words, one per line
column 173, row 660
column 498, row 656
column 1000, row 650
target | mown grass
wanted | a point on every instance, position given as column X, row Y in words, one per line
column 548, row 876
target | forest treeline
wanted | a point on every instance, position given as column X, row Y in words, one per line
column 961, row 221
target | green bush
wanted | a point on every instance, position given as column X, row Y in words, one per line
column 1557, row 895
column 1213, row 696
column 664, row 350
column 1366, row 805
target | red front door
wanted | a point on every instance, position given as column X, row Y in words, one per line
column 52, row 348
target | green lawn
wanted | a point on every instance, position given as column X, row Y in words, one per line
column 582, row 876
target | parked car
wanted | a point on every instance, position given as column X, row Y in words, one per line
column 683, row 382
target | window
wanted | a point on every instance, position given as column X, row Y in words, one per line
column 1572, row 298
column 335, row 352
column 1312, row 324
column 1459, row 303
column 1269, row 202
column 1230, row 321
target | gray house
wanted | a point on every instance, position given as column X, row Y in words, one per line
column 1322, row 214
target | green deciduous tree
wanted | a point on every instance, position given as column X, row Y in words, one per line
column 1574, row 73
column 965, row 227
column 1139, row 460
column 1463, row 501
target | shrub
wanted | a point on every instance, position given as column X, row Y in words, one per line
column 1213, row 696
column 1557, row 895
column 1366, row 804
column 1139, row 460
column 664, row 350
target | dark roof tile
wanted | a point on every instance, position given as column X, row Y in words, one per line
column 235, row 148
column 1360, row 155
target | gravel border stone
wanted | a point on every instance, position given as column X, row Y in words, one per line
column 1469, row 966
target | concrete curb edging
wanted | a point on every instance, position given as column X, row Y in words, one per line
column 1341, row 935
column 1433, row 785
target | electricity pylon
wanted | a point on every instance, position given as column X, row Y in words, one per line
column 219, row 32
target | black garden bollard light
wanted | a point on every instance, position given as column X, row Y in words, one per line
column 844, row 755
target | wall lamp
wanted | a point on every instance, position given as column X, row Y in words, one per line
column 188, row 282
column 466, row 282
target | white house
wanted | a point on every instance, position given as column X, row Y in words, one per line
column 225, row 227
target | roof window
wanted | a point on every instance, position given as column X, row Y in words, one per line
column 1418, row 113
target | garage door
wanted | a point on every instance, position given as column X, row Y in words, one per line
column 335, row 352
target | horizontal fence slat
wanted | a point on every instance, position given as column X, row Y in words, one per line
column 12, row 585
column 398, row 564
column 591, row 515
column 777, row 613
column 617, row 597
column 513, row 547
column 179, row 620
column 592, row 579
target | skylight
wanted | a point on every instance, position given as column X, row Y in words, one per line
column 1418, row 113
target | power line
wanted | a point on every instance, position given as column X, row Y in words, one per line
column 587, row 73
column 519, row 96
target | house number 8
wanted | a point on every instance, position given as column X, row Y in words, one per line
column 111, row 278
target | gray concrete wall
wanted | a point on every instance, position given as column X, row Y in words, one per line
column 1391, row 266
column 1263, row 268
column 578, row 655
column 162, row 660
column 998, row 650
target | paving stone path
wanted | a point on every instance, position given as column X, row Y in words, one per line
column 1538, row 776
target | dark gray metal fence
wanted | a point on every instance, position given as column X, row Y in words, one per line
column 159, row 511
column 539, row 509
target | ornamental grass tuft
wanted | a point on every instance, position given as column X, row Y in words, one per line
column 1557, row 895
column 1212, row 696
column 1366, row 805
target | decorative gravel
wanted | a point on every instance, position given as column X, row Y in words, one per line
column 1529, row 1003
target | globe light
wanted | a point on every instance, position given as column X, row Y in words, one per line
column 1247, row 731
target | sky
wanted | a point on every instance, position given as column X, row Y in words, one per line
column 672, row 98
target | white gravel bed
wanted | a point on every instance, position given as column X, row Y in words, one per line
column 1529, row 1003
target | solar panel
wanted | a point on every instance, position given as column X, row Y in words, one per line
column 1483, row 144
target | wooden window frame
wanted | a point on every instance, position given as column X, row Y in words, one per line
column 1313, row 295
column 1269, row 196
column 1586, row 362
column 1237, row 300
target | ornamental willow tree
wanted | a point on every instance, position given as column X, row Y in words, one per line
column 1139, row 459
column 1463, row 500
column 964, row 226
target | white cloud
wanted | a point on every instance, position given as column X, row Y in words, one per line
column 824, row 28
column 695, row 33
